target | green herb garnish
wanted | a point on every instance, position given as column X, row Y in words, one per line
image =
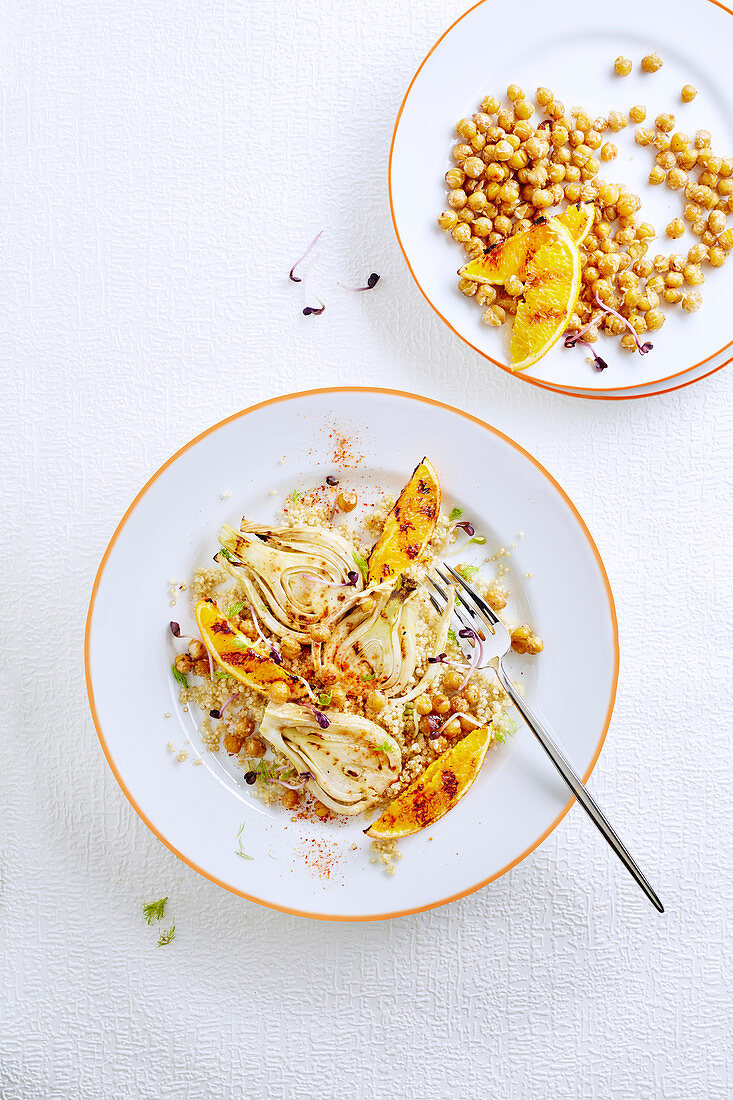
column 259, row 767
column 222, row 674
column 237, row 607
column 167, row 937
column 225, row 553
column 155, row 910
column 362, row 564
column 296, row 495
column 179, row 677
column 240, row 852
column 455, row 514
column 385, row 746
column 452, row 635
column 499, row 737
column 478, row 539
column 367, row 677
column 324, row 698
column 468, row 572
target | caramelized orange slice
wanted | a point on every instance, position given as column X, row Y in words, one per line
column 578, row 220
column 436, row 791
column 249, row 662
column 547, row 262
column 409, row 526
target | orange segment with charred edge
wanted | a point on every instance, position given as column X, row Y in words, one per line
column 409, row 526
column 436, row 791
column 551, row 280
column 578, row 220
column 546, row 260
column 250, row 663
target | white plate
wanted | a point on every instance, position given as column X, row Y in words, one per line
column 286, row 443
column 654, row 388
column 571, row 53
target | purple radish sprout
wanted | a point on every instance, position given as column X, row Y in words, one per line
column 218, row 713
column 291, row 274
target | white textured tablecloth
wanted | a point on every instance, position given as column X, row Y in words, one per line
column 163, row 164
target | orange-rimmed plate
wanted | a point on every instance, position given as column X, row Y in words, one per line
column 573, row 56
column 203, row 811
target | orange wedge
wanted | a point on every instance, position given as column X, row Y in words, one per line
column 436, row 791
column 578, row 220
column 546, row 260
column 250, row 663
column 409, row 526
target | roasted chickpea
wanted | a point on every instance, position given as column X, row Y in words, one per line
column 651, row 63
column 279, row 692
column 290, row 799
column 253, row 746
column 232, row 742
column 452, row 680
column 688, row 93
column 622, row 66
column 524, row 640
column 321, row 810
column 183, row 663
column 290, row 648
column 692, row 301
column 441, row 704
column 319, row 632
column 338, row 697
column 346, row 501
column 376, row 701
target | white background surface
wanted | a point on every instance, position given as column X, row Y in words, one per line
column 163, row 165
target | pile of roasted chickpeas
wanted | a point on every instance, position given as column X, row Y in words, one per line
column 510, row 169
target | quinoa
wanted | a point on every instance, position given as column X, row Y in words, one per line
column 232, row 712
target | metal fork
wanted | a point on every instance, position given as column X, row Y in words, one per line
column 475, row 615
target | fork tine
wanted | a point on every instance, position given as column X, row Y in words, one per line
column 480, row 604
column 478, row 622
column 463, row 620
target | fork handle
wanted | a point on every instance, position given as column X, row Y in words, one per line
column 573, row 780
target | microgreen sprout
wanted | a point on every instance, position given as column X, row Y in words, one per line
column 291, row 274
column 456, row 513
column 314, row 311
column 367, row 677
column 466, row 526
column 217, row 713
column 319, row 716
column 331, row 480
column 167, row 937
column 154, row 910
column 370, row 283
column 324, row 699
column 235, row 609
column 222, row 674
column 452, row 634
column 479, row 539
column 468, row 572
